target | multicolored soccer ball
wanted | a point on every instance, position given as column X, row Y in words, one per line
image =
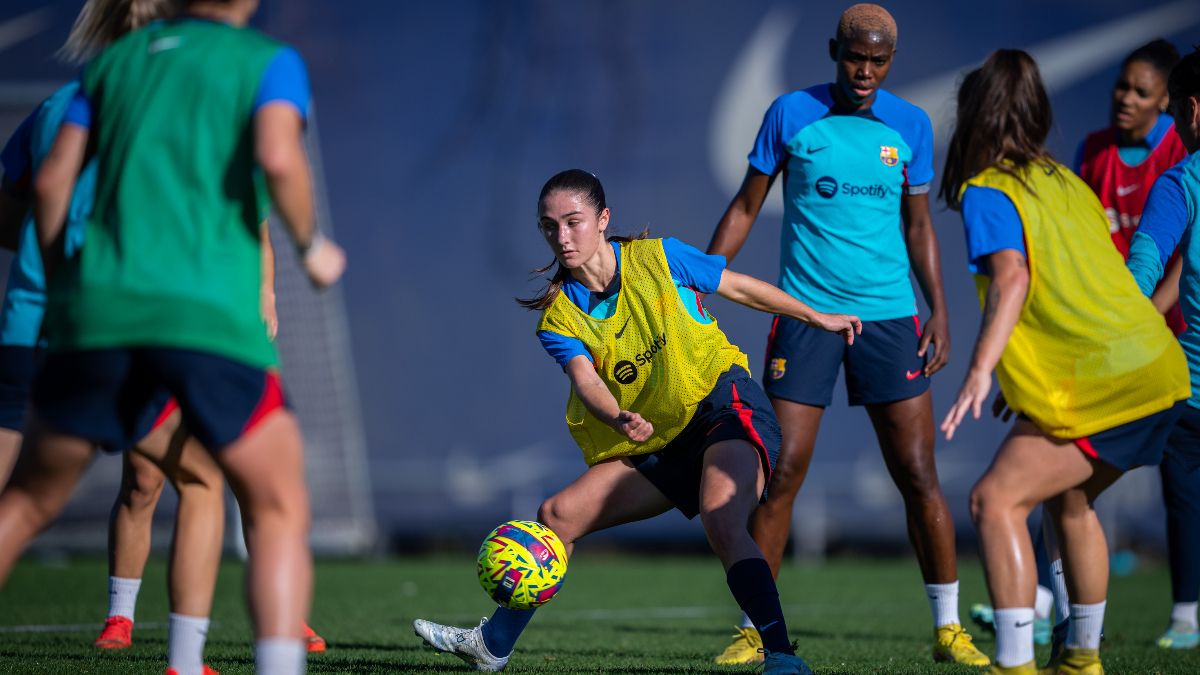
column 522, row 564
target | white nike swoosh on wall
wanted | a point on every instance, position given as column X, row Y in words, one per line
column 757, row 77
column 24, row 26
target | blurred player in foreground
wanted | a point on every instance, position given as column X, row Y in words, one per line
column 661, row 404
column 163, row 298
column 1094, row 374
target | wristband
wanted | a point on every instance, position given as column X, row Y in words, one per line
column 314, row 243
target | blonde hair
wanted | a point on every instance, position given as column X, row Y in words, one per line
column 866, row 18
column 101, row 22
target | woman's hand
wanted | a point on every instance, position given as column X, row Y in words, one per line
column 847, row 325
column 974, row 391
column 635, row 427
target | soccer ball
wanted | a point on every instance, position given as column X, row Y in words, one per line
column 522, row 564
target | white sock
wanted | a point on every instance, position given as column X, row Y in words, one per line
column 1058, row 584
column 1014, row 636
column 122, row 596
column 746, row 622
column 279, row 656
column 1044, row 603
column 943, row 602
column 185, row 643
column 1086, row 623
column 1184, row 612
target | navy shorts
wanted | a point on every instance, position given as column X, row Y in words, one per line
column 882, row 365
column 17, row 366
column 1184, row 442
column 736, row 409
column 113, row 397
column 1133, row 444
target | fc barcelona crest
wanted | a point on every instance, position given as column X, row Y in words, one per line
column 778, row 368
column 889, row 155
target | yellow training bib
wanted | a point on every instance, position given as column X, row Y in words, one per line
column 654, row 357
column 1089, row 351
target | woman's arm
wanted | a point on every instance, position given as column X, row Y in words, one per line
column 922, row 244
column 1002, row 308
column 267, row 292
column 758, row 294
column 602, row 404
column 1167, row 293
column 54, row 184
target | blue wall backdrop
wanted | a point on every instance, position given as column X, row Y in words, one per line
column 438, row 124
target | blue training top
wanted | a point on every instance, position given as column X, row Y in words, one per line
column 693, row 272
column 25, row 296
column 843, row 248
column 1169, row 219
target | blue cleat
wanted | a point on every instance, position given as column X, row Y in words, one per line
column 984, row 617
column 1042, row 630
column 778, row 663
column 1180, row 636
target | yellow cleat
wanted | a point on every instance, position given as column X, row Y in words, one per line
column 1023, row 669
column 746, row 648
column 952, row 643
column 1076, row 662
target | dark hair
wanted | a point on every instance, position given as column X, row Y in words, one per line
column 1185, row 77
column 576, row 181
column 1003, row 120
column 1159, row 53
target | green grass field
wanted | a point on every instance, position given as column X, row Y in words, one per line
column 616, row 614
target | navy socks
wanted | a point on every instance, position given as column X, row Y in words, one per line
column 754, row 590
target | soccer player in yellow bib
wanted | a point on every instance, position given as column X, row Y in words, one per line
column 1094, row 374
column 661, row 404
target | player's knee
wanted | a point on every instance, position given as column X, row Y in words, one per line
column 987, row 503
column 724, row 527
column 553, row 515
column 145, row 490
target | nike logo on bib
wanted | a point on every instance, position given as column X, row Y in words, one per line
column 623, row 327
column 1124, row 190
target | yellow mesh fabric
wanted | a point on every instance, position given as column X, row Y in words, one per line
column 1089, row 351
column 655, row 358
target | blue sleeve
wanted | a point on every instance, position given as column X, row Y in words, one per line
column 17, row 157
column 992, row 224
column 1164, row 218
column 563, row 348
column 286, row 79
column 919, row 173
column 1144, row 263
column 770, row 146
column 693, row 268
column 79, row 111
column 1078, row 166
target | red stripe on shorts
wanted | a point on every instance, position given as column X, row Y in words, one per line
column 272, row 400
column 770, row 342
column 1085, row 445
column 744, row 414
column 171, row 406
column 917, row 322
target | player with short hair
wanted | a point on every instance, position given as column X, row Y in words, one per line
column 180, row 314
column 1095, row 376
column 1166, row 229
column 661, row 404
column 857, row 163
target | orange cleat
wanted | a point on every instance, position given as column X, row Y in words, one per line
column 312, row 641
column 207, row 671
column 117, row 634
